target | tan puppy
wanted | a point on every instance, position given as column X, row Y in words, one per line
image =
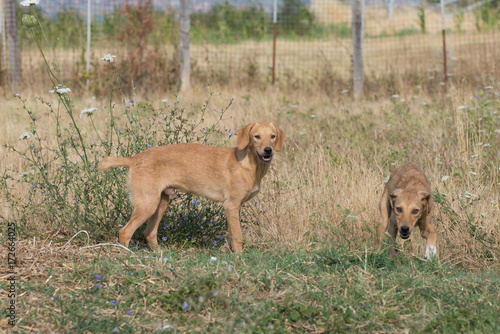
column 406, row 203
column 230, row 175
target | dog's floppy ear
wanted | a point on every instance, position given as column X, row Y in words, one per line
column 426, row 199
column 280, row 138
column 243, row 138
column 393, row 195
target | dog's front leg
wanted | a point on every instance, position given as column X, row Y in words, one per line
column 427, row 232
column 233, row 221
column 393, row 231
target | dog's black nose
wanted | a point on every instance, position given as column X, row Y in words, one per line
column 405, row 229
column 268, row 150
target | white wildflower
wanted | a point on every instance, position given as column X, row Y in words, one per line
column 488, row 87
column 461, row 107
column 27, row 3
column 395, row 96
column 445, row 178
column 344, row 91
column 25, row 135
column 60, row 91
column 213, row 258
column 108, row 58
column 23, row 174
column 497, row 130
column 88, row 111
column 473, row 173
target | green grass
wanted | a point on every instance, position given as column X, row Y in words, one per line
column 261, row 291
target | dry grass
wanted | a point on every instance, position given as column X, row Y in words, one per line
column 336, row 159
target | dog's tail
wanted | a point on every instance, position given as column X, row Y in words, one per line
column 113, row 162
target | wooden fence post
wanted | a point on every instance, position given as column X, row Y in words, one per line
column 14, row 55
column 185, row 66
column 358, row 15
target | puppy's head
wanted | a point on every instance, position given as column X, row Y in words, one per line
column 262, row 138
column 408, row 206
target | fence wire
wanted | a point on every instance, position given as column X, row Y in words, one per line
column 233, row 40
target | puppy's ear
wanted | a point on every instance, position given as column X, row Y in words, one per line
column 280, row 138
column 243, row 138
column 426, row 199
column 393, row 195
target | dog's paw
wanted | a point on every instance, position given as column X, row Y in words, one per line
column 430, row 251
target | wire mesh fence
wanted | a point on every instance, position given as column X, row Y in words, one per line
column 232, row 41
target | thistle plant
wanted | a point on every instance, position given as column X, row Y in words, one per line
column 58, row 186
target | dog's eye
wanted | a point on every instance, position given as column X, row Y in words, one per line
column 273, row 136
column 257, row 137
column 415, row 211
column 399, row 209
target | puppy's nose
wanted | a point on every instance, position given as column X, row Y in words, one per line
column 268, row 150
column 405, row 229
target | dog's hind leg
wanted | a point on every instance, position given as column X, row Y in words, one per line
column 151, row 231
column 145, row 206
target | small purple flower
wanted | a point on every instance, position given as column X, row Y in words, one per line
column 98, row 285
column 115, row 330
column 216, row 292
column 254, row 203
column 195, row 202
column 164, row 116
column 119, row 131
column 34, row 186
column 114, row 302
column 215, row 242
column 97, row 277
column 379, row 132
column 164, row 238
column 140, row 124
column 189, row 238
column 131, row 100
column 53, row 298
column 230, row 133
column 17, row 95
column 129, row 312
column 213, row 222
column 228, row 267
column 185, row 305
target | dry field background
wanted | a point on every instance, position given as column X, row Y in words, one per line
column 325, row 186
column 310, row 252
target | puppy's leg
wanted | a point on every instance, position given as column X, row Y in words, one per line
column 145, row 205
column 151, row 231
column 393, row 231
column 233, row 221
column 384, row 215
column 427, row 232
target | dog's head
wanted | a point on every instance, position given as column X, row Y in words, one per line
column 408, row 207
column 262, row 138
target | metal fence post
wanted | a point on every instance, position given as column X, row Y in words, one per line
column 275, row 32
column 358, row 14
column 89, row 19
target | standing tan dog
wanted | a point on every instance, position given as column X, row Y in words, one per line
column 406, row 203
column 230, row 175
